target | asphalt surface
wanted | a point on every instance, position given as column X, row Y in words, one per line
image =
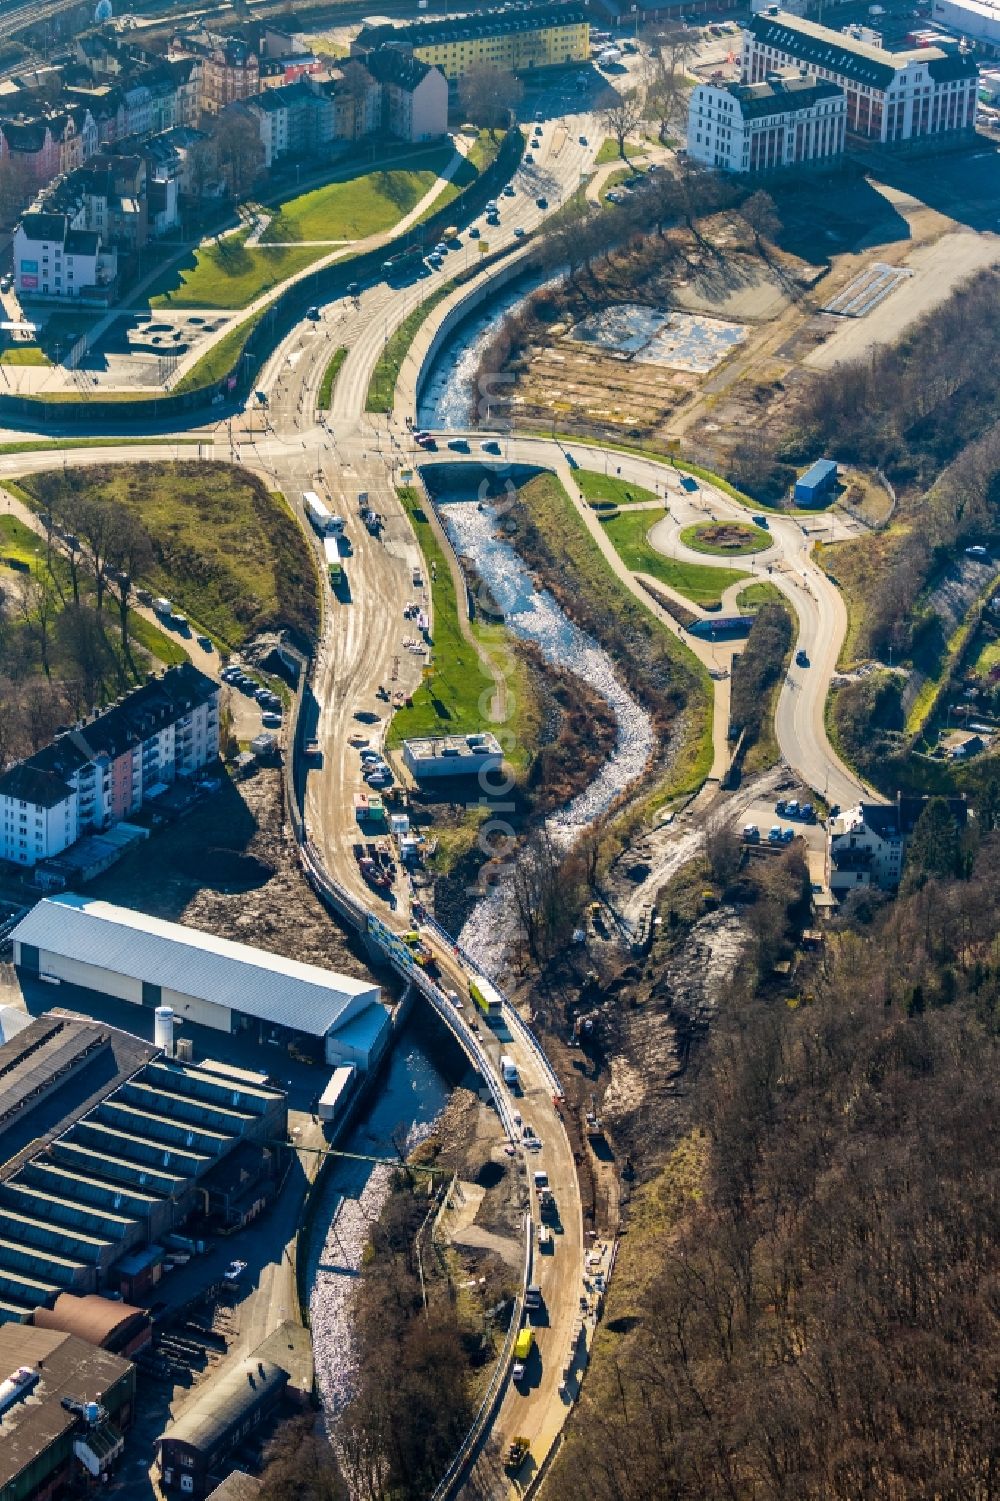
column 363, row 648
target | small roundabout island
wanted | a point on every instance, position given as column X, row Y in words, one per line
column 729, row 539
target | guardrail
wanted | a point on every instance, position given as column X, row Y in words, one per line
column 455, row 1474
column 515, row 1022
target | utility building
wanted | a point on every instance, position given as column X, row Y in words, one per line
column 209, row 981
column 212, row 1426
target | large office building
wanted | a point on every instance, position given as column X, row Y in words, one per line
column 517, row 39
column 204, row 980
column 107, row 1145
column 925, row 95
column 789, row 120
column 105, row 768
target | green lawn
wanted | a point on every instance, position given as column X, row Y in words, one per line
column 609, row 152
column 24, row 354
column 366, row 204
column 988, row 658
column 448, row 701
column 608, row 489
column 614, row 180
column 329, row 380
column 20, row 542
column 226, row 274
column 382, row 386
column 755, row 595
column 700, row 538
column 45, row 445
column 696, row 581
column 228, row 553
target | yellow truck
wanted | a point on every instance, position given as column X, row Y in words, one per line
column 523, row 1346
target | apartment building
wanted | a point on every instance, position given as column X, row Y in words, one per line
column 519, row 39
column 789, row 120
column 230, row 67
column 866, row 844
column 414, row 95
column 52, row 259
column 103, row 770
column 926, row 94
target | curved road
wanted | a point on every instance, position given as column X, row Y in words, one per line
column 368, row 644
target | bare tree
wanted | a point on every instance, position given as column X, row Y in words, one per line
column 239, row 151
column 670, row 50
column 760, row 212
column 96, row 521
column 621, row 118
column 300, row 1465
column 38, row 605
column 129, row 555
column 489, row 96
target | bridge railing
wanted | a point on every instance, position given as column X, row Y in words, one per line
column 453, row 1478
column 515, row 1022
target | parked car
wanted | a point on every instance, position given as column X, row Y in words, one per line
column 490, row 446
column 270, row 720
column 542, row 202
column 774, row 834
column 475, row 232
column 528, row 159
column 801, row 658
column 751, row 834
column 509, row 191
column 583, row 140
column 519, row 232
column 313, row 314
column 459, row 445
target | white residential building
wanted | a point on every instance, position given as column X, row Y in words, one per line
column 51, row 259
column 892, row 97
column 789, row 120
column 866, row 844
column 104, row 769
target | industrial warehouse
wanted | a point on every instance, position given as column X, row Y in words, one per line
column 208, row 981
column 107, row 1145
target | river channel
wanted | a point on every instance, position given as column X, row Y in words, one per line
column 414, row 1088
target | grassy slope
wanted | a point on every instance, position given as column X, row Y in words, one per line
column 220, row 359
column 367, row 204
column 228, row 553
column 755, row 595
column 382, row 386
column 610, row 489
column 226, row 274
column 330, row 377
column 448, row 700
column 696, row 581
column 556, row 517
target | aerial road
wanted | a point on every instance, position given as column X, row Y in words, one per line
column 368, row 653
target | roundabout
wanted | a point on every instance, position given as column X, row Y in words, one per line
column 727, row 539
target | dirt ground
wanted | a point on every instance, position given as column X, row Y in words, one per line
column 231, row 868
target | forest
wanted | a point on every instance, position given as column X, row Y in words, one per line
column 815, row 1312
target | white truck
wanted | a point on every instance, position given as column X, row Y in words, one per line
column 163, row 608
column 508, row 1069
column 317, row 513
